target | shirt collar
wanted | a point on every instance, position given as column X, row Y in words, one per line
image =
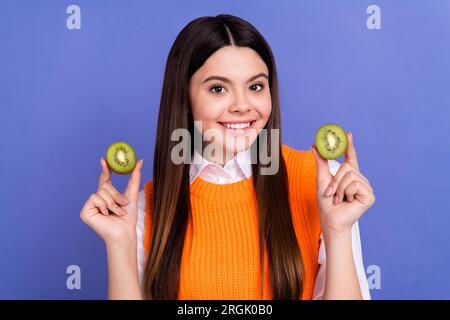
column 241, row 161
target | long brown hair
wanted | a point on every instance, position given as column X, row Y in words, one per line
column 198, row 40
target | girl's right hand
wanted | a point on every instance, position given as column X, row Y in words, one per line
column 108, row 212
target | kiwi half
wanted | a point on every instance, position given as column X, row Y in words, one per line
column 331, row 141
column 121, row 157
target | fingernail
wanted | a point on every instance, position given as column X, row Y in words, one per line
column 124, row 200
column 335, row 200
column 328, row 191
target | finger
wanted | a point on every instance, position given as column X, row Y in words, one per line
column 89, row 209
column 323, row 171
column 358, row 191
column 350, row 152
column 105, row 176
column 132, row 190
column 117, row 196
column 345, row 170
column 342, row 171
column 110, row 203
column 350, row 191
column 349, row 178
column 100, row 203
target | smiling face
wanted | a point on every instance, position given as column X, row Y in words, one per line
column 230, row 95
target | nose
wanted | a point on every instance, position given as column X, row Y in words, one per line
column 240, row 104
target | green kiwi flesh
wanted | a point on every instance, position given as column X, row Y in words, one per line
column 331, row 141
column 121, row 157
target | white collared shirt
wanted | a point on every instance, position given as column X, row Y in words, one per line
column 237, row 169
column 234, row 170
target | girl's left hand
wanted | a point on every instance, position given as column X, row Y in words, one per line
column 351, row 193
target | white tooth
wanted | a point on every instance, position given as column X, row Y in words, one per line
column 237, row 125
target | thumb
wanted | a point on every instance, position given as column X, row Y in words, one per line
column 132, row 190
column 324, row 176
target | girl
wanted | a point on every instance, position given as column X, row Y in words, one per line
column 217, row 227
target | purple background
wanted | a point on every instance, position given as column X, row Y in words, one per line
column 65, row 95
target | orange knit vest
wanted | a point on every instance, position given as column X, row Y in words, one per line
column 220, row 258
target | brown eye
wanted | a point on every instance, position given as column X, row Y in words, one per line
column 257, row 87
column 217, row 89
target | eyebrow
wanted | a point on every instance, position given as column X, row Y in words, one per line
column 262, row 74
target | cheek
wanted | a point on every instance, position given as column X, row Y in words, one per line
column 268, row 110
column 207, row 109
column 264, row 107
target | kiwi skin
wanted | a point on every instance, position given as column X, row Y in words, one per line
column 121, row 150
column 322, row 145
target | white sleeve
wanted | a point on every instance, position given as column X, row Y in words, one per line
column 140, row 230
column 319, row 285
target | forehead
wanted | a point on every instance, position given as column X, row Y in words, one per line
column 235, row 63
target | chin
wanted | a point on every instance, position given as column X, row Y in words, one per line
column 238, row 144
